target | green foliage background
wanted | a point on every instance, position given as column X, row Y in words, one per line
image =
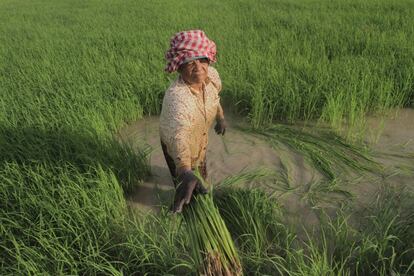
column 88, row 62
column 73, row 72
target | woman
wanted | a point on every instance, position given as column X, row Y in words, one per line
column 190, row 106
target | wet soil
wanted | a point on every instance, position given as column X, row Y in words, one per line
column 392, row 141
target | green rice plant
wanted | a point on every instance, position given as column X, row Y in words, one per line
column 332, row 61
column 154, row 244
column 377, row 240
column 57, row 219
column 387, row 243
column 256, row 222
column 246, row 177
column 83, row 148
column 327, row 152
column 211, row 244
column 71, row 74
column 210, row 241
column 281, row 183
column 324, row 193
column 267, row 244
column 314, row 259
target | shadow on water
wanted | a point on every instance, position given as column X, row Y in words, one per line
column 162, row 173
column 83, row 149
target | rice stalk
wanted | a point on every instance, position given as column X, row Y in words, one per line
column 330, row 154
column 211, row 244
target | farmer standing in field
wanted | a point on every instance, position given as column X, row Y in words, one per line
column 190, row 106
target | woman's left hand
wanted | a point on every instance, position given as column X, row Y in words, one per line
column 221, row 126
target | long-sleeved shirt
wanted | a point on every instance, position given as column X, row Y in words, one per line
column 186, row 117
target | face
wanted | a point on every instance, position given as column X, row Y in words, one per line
column 195, row 71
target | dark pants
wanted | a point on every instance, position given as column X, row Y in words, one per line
column 202, row 168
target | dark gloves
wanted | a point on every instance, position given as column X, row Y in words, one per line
column 220, row 127
column 188, row 185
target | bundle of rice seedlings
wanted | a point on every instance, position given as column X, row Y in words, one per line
column 212, row 246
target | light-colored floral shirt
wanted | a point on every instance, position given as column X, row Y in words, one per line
column 186, row 117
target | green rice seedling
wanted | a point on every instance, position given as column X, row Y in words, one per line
column 314, row 259
column 317, row 193
column 324, row 193
column 58, row 220
column 256, row 222
column 281, row 184
column 330, row 61
column 375, row 241
column 327, row 152
column 72, row 73
column 210, row 241
column 387, row 236
column 246, row 177
column 83, row 148
column 341, row 237
column 268, row 246
column 154, row 244
column 211, row 244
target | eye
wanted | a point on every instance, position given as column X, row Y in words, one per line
column 204, row 60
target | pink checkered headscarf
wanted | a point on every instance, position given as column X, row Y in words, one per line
column 188, row 45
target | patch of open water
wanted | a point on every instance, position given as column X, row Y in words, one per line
column 239, row 151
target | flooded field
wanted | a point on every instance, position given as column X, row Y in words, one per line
column 81, row 195
column 391, row 140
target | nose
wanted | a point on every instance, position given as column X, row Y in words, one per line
column 198, row 64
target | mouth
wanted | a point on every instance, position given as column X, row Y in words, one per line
column 198, row 72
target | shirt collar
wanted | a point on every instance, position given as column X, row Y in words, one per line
column 193, row 91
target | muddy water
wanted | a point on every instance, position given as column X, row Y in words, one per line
column 238, row 152
column 227, row 155
column 396, row 140
column 392, row 139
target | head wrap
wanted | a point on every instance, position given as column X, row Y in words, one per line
column 189, row 45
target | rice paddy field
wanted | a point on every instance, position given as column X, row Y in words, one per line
column 318, row 81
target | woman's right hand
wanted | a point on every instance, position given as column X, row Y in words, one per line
column 188, row 185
